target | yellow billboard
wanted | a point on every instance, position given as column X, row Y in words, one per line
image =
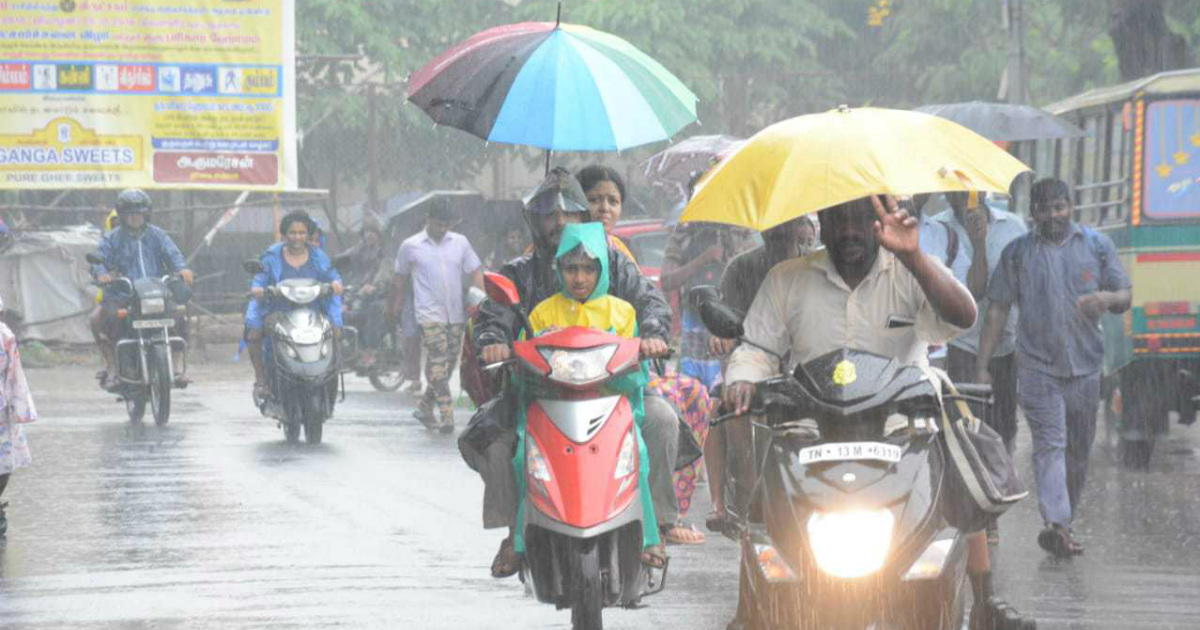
column 147, row 93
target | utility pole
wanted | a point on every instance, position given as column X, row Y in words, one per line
column 372, row 150
column 1014, row 88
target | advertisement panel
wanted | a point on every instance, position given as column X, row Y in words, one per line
column 147, row 93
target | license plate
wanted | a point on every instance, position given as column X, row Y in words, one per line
column 152, row 323
column 843, row 451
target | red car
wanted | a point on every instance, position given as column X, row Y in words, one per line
column 647, row 239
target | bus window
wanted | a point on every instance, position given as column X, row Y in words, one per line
column 1172, row 159
column 1117, row 169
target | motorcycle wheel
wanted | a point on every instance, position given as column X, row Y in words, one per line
column 388, row 381
column 160, row 384
column 135, row 404
column 314, row 418
column 293, row 418
column 587, row 601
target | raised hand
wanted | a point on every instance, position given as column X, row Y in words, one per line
column 896, row 230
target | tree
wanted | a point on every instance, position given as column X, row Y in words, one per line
column 1144, row 43
column 392, row 38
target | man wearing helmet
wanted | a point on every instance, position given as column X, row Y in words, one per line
column 135, row 249
column 557, row 201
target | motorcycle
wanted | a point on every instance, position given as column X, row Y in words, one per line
column 583, row 510
column 302, row 358
column 386, row 374
column 143, row 350
column 850, row 524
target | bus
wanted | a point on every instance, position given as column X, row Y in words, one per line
column 1136, row 177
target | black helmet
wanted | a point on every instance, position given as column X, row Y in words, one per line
column 133, row 201
column 558, row 191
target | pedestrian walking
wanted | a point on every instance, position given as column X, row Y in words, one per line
column 1062, row 277
column 434, row 262
column 18, row 409
column 981, row 232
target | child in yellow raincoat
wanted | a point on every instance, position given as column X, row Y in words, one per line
column 584, row 302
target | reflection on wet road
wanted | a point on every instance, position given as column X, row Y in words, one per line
column 214, row 522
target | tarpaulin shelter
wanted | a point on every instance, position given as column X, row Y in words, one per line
column 44, row 279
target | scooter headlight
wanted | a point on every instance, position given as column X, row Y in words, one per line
column 851, row 544
column 535, row 464
column 626, row 457
column 578, row 367
column 153, row 306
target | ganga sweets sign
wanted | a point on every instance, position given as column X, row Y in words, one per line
column 148, row 93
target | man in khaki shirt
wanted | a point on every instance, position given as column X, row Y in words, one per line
column 872, row 289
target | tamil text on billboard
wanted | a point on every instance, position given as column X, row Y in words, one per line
column 148, row 93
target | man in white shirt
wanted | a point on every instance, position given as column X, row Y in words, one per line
column 872, row 289
column 434, row 261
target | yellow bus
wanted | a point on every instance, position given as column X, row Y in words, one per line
column 1136, row 177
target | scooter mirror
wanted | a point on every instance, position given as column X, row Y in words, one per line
column 721, row 319
column 252, row 266
column 501, row 289
column 94, row 258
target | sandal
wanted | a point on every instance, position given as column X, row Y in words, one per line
column 717, row 521
column 1057, row 540
column 682, row 533
column 507, row 561
column 655, row 556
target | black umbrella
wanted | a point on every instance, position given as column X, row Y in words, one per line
column 1002, row 122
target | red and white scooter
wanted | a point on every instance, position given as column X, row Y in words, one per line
column 583, row 507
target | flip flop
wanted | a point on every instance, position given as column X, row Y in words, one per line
column 507, row 561
column 682, row 533
column 654, row 556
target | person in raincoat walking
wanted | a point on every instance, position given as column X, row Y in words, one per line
column 18, row 409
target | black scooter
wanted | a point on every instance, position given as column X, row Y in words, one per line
column 849, row 524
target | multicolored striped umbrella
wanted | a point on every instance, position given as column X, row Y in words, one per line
column 556, row 86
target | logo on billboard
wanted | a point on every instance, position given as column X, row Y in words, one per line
column 45, row 77
column 198, row 80
column 259, row 81
column 106, row 78
column 74, row 77
column 216, row 168
column 168, row 79
column 14, row 76
column 136, row 78
column 231, row 80
column 66, row 145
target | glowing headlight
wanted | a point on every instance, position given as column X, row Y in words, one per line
column 578, row 367
column 535, row 464
column 153, row 306
column 850, row 544
column 626, row 457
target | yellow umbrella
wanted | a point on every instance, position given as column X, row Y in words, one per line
column 813, row 162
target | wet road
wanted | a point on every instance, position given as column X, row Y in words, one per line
column 213, row 522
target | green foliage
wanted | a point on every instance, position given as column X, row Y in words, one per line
column 751, row 62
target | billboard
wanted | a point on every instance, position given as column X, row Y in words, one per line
column 147, row 93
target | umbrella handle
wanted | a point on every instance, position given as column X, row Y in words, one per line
column 973, row 194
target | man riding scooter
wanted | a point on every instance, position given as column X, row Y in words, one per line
column 135, row 249
column 873, row 290
column 293, row 258
column 557, row 201
column 372, row 278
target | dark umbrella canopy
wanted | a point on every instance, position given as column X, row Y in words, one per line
column 1003, row 122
